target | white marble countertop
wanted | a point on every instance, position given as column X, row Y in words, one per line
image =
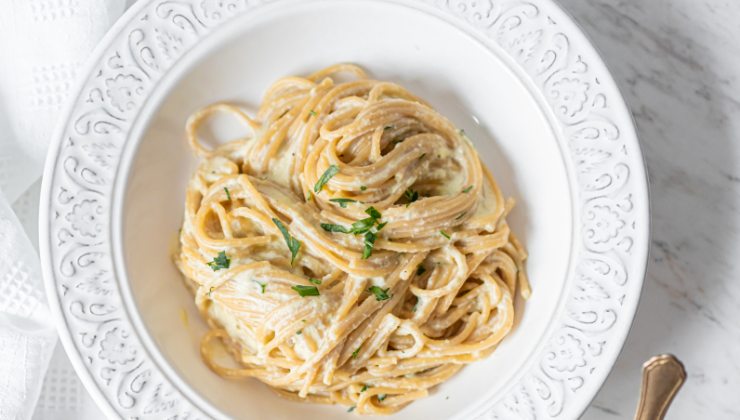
column 678, row 65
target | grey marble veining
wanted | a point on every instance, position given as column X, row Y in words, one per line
column 678, row 65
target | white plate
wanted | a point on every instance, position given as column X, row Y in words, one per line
column 518, row 76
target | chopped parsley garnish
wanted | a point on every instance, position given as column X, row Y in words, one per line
column 330, row 227
column 299, row 332
column 445, row 234
column 411, row 196
column 262, row 287
column 381, row 397
column 293, row 244
column 362, row 226
column 356, row 352
column 306, row 290
column 467, row 190
column 420, row 270
column 368, row 226
column 373, row 212
column 363, row 188
column 228, row 194
column 312, row 112
column 369, row 243
column 351, row 409
column 314, row 281
column 364, row 388
column 359, row 227
column 309, row 196
column 221, row 261
column 210, row 290
column 325, row 177
column 342, row 201
column 380, row 294
column 462, row 132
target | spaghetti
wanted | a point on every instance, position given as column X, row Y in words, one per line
column 351, row 248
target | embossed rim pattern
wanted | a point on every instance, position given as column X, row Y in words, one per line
column 597, row 137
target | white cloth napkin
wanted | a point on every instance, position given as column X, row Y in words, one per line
column 27, row 335
column 42, row 45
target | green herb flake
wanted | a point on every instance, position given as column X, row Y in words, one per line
column 356, row 352
column 351, row 409
column 221, row 261
column 459, row 216
column 369, row 243
column 312, row 112
column 364, row 388
column 325, row 177
column 228, row 194
column 362, row 226
column 380, row 294
column 411, row 196
column 365, row 226
column 363, row 188
column 309, row 196
column 299, row 332
column 373, row 212
column 293, row 244
column 314, row 281
column 210, row 290
column 422, row 156
column 420, row 270
column 342, row 201
column 330, row 227
column 388, row 127
column 262, row 286
column 467, row 190
column 445, row 234
column 381, row 397
column 305, row 290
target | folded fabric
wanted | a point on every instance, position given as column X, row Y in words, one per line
column 42, row 45
column 27, row 334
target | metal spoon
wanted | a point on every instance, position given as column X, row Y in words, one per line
column 662, row 377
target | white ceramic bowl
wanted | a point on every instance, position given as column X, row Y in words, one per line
column 518, row 76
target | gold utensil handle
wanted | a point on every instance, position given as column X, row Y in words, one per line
column 662, row 377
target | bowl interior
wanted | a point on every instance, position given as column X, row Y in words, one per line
column 471, row 84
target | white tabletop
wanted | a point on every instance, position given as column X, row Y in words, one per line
column 678, row 65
